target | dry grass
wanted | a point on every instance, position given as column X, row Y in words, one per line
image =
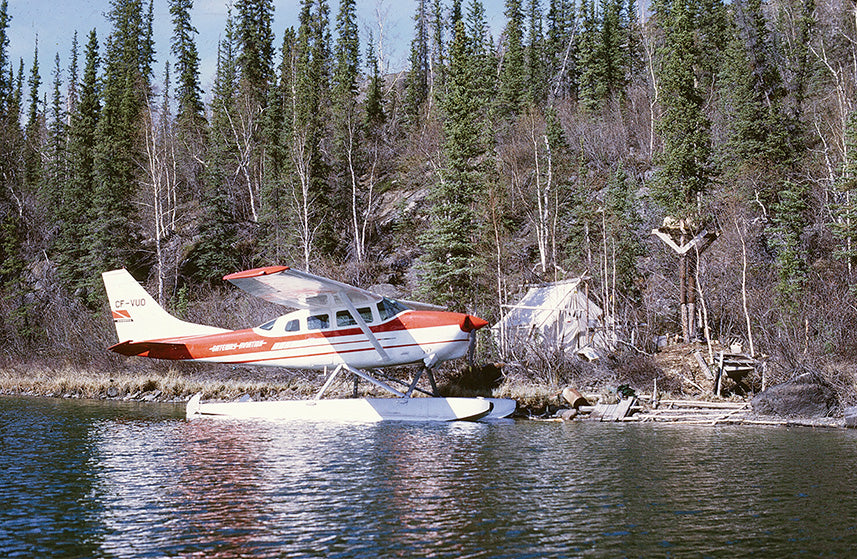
column 162, row 386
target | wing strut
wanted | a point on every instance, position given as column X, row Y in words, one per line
column 364, row 327
column 361, row 374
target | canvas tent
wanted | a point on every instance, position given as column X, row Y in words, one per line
column 554, row 315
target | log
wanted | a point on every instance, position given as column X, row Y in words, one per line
column 703, row 404
column 574, row 398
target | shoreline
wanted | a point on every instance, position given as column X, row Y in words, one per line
column 535, row 401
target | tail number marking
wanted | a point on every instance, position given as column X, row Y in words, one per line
column 119, row 303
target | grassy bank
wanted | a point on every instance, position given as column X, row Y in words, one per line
column 169, row 385
column 217, row 383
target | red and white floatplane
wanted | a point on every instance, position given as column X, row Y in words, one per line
column 337, row 329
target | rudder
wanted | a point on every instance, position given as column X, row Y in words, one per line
column 137, row 316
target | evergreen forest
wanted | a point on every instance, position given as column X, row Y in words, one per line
column 548, row 152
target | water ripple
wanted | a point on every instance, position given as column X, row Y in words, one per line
column 108, row 480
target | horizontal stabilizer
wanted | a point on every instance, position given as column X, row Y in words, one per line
column 156, row 350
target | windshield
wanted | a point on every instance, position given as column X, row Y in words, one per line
column 388, row 308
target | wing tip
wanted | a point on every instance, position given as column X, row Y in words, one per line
column 255, row 272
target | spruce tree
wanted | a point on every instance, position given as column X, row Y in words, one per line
column 128, row 56
column 215, row 255
column 72, row 90
column 256, row 48
column 17, row 324
column 75, row 214
column 560, row 56
column 513, row 85
column 33, row 129
column 56, row 169
column 623, row 239
column 190, row 114
column 438, row 49
column 535, row 56
column 375, row 95
column 347, row 128
column 790, row 219
column 449, row 267
column 685, row 167
column 275, row 218
column 590, row 73
column 417, row 83
column 761, row 137
column 6, row 85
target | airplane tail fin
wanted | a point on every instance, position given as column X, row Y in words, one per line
column 137, row 316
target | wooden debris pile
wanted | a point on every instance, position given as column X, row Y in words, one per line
column 697, row 412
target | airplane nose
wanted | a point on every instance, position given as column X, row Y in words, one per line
column 470, row 323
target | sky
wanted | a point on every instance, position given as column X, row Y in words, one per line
column 54, row 22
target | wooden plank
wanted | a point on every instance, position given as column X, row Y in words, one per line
column 622, row 408
column 597, row 412
column 609, row 413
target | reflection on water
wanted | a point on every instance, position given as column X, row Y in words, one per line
column 116, row 480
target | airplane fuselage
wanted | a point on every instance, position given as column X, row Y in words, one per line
column 319, row 340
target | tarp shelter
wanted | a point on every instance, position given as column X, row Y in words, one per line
column 555, row 315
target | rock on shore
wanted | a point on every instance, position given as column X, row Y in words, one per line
column 804, row 396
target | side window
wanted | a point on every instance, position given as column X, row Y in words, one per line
column 293, row 325
column 344, row 318
column 365, row 314
column 318, row 322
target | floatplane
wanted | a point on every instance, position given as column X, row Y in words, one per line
column 336, row 329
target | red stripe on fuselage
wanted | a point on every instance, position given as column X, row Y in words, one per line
column 247, row 341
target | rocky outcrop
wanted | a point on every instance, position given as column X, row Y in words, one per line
column 806, row 395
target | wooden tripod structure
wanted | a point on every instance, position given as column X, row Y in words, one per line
column 688, row 242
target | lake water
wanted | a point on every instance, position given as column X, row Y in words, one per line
column 105, row 479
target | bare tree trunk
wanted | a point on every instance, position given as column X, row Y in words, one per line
column 744, row 288
column 682, row 296
column 243, row 137
column 358, row 239
column 542, row 222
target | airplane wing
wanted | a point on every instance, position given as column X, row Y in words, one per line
column 296, row 289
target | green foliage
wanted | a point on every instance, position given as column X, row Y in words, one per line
column 190, row 115
column 790, row 219
column 74, row 198
column 33, row 129
column 450, row 261
column 417, row 83
column 685, row 167
column 622, row 230
column 374, row 96
column 255, row 38
column 319, row 135
column 535, row 56
column 513, row 74
column 19, row 323
column 761, row 135
column 560, row 56
column 215, row 254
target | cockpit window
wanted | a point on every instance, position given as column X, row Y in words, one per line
column 344, row 318
column 388, row 308
column 268, row 325
column 293, row 325
column 318, row 322
column 365, row 314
